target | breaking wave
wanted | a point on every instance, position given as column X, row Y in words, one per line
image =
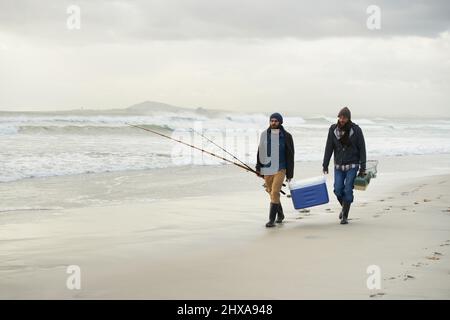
column 43, row 145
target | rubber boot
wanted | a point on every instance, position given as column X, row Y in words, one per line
column 272, row 215
column 280, row 214
column 340, row 213
column 345, row 211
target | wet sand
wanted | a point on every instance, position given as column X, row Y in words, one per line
column 199, row 233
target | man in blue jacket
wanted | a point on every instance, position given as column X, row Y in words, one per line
column 346, row 141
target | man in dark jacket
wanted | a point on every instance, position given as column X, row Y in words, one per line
column 275, row 161
column 346, row 141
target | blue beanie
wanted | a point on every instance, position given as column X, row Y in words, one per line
column 277, row 116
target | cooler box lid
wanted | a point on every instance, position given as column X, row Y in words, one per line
column 307, row 182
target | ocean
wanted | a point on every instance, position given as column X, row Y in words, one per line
column 49, row 144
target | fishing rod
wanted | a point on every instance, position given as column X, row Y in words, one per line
column 242, row 166
column 229, row 153
column 247, row 168
column 223, row 149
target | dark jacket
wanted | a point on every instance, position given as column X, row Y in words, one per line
column 353, row 154
column 289, row 153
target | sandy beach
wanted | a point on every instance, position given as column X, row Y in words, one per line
column 198, row 233
column 138, row 139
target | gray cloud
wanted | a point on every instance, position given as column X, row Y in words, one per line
column 116, row 21
column 239, row 55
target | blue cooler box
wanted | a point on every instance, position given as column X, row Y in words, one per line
column 309, row 192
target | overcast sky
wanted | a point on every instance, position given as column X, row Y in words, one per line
column 304, row 57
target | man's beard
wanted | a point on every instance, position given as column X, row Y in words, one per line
column 342, row 125
column 345, row 138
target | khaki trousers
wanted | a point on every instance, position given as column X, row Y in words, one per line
column 274, row 184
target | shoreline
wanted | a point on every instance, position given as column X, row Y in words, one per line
column 193, row 167
column 99, row 189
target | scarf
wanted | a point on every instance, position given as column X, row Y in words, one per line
column 343, row 133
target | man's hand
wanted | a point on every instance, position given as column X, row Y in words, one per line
column 258, row 173
column 325, row 170
column 288, row 180
column 362, row 173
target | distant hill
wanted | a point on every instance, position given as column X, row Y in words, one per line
column 144, row 108
column 154, row 106
column 147, row 107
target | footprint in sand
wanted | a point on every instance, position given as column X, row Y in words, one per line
column 408, row 277
column 416, row 202
column 419, row 264
column 379, row 294
column 426, row 200
column 435, row 256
